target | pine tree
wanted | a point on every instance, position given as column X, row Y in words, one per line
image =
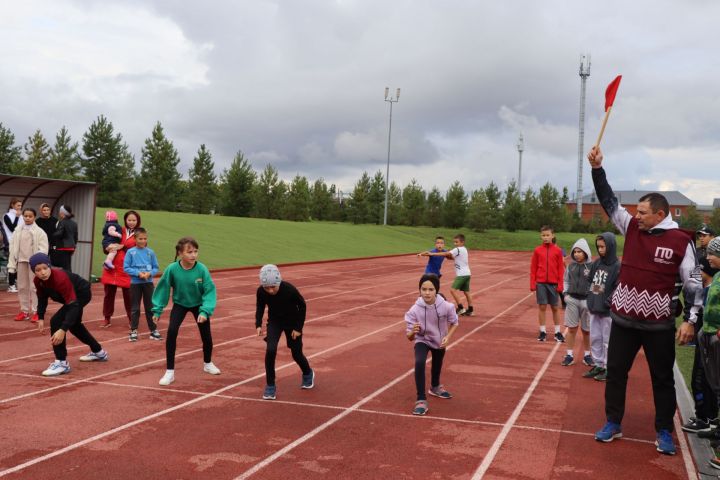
column 157, row 186
column 531, row 206
column 435, row 204
column 376, row 199
column 9, row 152
column 337, row 210
column 267, row 189
column 202, row 186
column 494, row 198
column 455, row 206
column 358, row 203
column 512, row 208
column 550, row 209
column 478, row 210
column 65, row 158
column 394, row 204
column 237, row 188
column 107, row 161
column 297, row 207
column 321, row 201
column 37, row 156
column 413, row 204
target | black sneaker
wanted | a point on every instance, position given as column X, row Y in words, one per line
column 592, row 372
column 567, row 361
column 588, row 361
column 460, row 309
column 542, row 336
column 712, row 434
column 559, row 337
column 468, row 312
column 602, row 376
column 696, row 425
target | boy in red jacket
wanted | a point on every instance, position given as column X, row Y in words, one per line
column 546, row 280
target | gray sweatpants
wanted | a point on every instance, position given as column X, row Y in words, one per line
column 710, row 355
column 599, row 338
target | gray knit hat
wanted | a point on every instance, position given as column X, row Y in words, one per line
column 713, row 247
column 270, row 276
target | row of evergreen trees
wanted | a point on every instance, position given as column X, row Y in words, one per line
column 104, row 158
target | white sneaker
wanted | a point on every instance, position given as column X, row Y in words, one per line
column 57, row 368
column 168, row 378
column 211, row 369
column 100, row 356
column 12, row 289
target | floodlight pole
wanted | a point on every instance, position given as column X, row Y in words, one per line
column 391, row 100
column 520, row 147
column 584, row 74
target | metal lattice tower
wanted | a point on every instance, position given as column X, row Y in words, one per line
column 584, row 74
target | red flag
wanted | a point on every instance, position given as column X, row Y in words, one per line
column 611, row 92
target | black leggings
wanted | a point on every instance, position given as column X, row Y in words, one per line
column 177, row 315
column 273, row 338
column 78, row 329
column 141, row 292
column 421, row 352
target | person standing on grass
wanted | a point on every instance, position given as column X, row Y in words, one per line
column 435, row 262
column 142, row 265
column 10, row 222
column 286, row 314
column 604, row 273
column 576, row 283
column 116, row 277
column 461, row 284
column 193, row 291
column 547, row 268
column 65, row 238
column 706, row 402
column 430, row 322
column 73, row 292
column 27, row 240
column 658, row 258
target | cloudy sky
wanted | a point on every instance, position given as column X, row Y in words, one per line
column 300, row 85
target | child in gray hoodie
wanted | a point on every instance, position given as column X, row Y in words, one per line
column 604, row 274
column 430, row 322
column 575, row 291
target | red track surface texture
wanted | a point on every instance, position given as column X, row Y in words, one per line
column 516, row 413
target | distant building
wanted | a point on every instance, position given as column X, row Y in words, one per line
column 591, row 207
column 705, row 211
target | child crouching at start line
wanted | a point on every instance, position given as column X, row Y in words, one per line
column 430, row 322
column 73, row 292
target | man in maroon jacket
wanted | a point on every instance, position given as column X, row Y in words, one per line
column 658, row 259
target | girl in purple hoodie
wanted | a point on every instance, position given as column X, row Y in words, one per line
column 430, row 322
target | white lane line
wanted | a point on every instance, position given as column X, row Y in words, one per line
column 308, row 436
column 495, row 448
column 179, row 406
column 166, row 390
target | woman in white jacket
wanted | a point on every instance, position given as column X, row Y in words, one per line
column 27, row 240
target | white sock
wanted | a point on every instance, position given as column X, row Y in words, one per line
column 570, row 352
column 170, row 372
column 542, row 329
column 557, row 328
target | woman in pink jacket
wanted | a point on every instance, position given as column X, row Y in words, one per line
column 430, row 323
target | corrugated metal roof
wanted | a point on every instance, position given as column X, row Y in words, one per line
column 80, row 196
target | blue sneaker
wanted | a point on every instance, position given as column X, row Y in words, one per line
column 308, row 381
column 664, row 442
column 269, row 393
column 57, row 367
column 101, row 356
column 609, row 432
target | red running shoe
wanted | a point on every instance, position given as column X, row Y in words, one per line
column 21, row 316
column 35, row 318
column 105, row 323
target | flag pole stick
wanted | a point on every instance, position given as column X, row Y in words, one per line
column 602, row 129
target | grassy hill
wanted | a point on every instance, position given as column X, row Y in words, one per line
column 233, row 242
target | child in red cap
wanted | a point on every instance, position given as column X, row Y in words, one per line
column 112, row 234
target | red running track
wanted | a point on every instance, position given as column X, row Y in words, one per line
column 516, row 413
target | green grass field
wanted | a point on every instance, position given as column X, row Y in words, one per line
column 233, row 242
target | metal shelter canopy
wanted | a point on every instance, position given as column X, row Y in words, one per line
column 80, row 196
